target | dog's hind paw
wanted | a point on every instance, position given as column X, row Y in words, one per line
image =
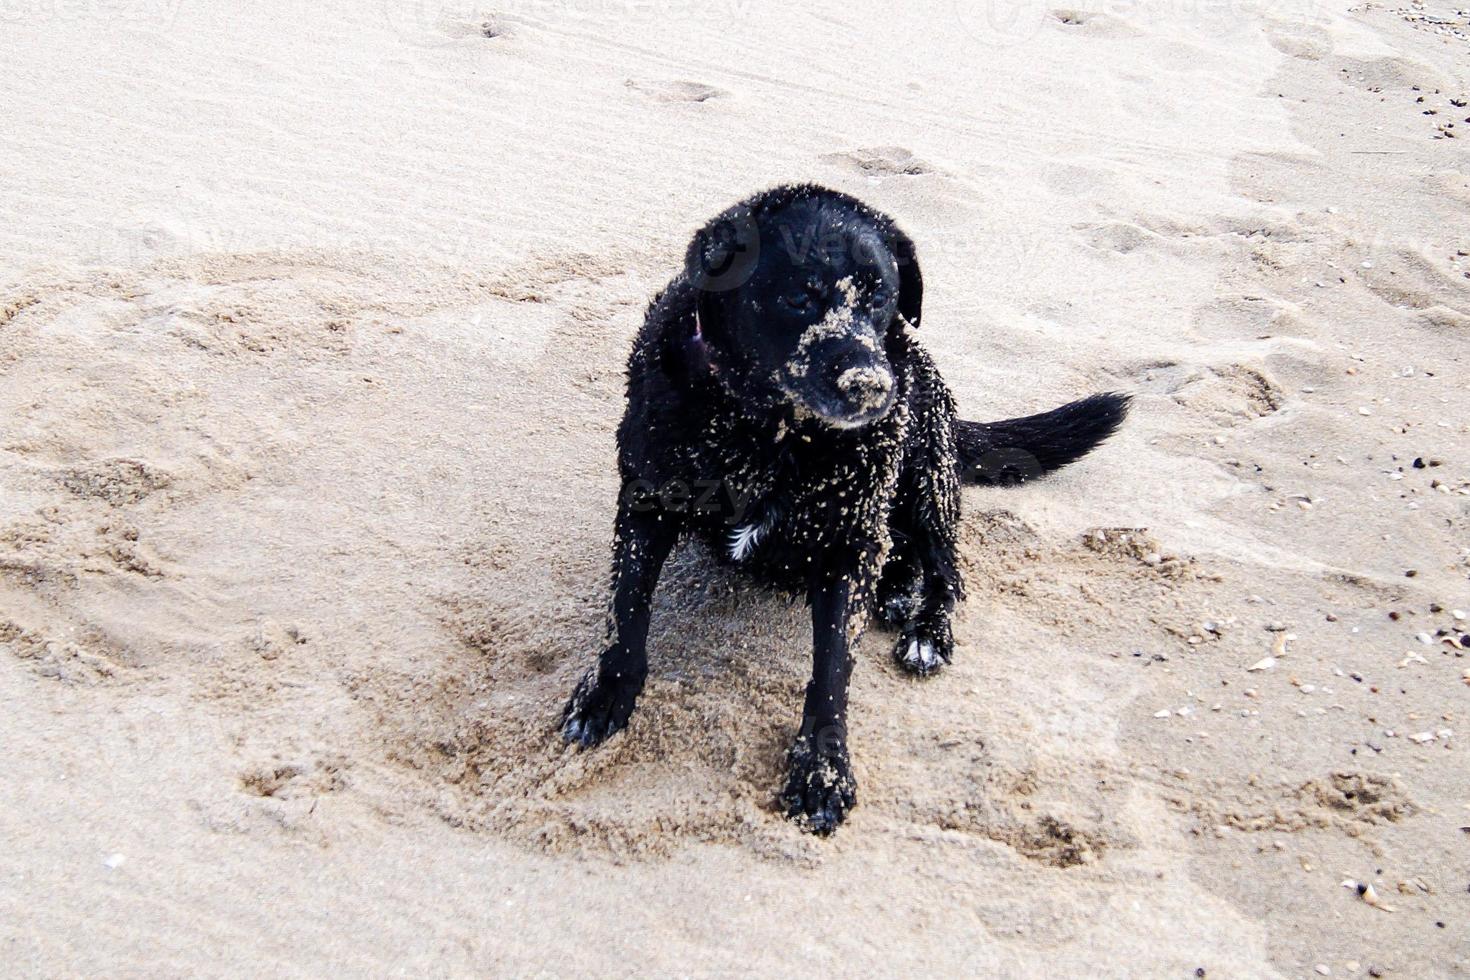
column 922, row 652
column 598, row 708
column 900, row 594
column 820, row 789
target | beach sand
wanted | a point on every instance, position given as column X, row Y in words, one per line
column 312, row 327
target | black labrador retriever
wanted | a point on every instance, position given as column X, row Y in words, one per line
column 780, row 408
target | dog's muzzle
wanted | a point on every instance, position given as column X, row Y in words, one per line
column 846, row 386
column 867, row 388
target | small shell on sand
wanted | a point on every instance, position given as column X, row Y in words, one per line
column 1366, row 893
column 1264, row 664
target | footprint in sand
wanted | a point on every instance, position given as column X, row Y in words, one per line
column 880, row 161
column 490, row 27
column 1116, row 236
column 12, row 308
column 1095, row 22
column 1233, row 391
column 678, row 90
column 1295, row 40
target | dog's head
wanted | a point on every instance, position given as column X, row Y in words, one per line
column 800, row 291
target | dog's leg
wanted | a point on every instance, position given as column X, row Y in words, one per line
column 900, row 587
column 605, row 697
column 820, row 789
column 926, row 642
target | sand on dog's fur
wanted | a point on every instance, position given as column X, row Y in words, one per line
column 306, row 482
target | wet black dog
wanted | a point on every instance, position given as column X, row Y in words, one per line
column 780, row 408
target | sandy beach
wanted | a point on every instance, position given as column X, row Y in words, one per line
column 313, row 320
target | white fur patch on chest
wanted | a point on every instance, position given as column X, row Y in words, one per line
column 745, row 539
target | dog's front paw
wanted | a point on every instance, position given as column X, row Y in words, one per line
column 923, row 650
column 600, row 706
column 820, row 789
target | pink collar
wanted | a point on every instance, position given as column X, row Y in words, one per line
column 701, row 346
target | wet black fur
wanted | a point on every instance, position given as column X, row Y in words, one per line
column 752, row 404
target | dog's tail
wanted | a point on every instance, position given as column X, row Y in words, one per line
column 1018, row 450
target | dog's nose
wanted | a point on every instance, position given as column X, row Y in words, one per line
column 866, row 387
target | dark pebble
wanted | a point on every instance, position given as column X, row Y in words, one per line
column 1418, row 462
column 1411, row 573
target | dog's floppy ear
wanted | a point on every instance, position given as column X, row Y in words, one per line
column 910, row 280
